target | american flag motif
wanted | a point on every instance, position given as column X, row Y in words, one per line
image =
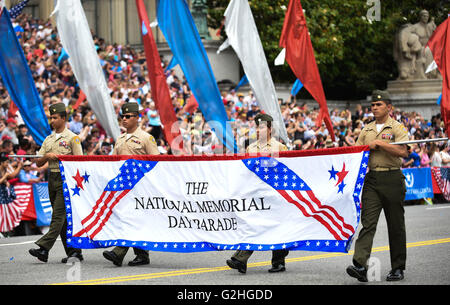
column 297, row 192
column 11, row 213
column 17, row 9
column 131, row 172
column 442, row 176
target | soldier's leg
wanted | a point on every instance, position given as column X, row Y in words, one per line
column 59, row 200
column 278, row 257
column 120, row 252
column 141, row 253
column 370, row 212
column 58, row 215
column 242, row 255
column 393, row 206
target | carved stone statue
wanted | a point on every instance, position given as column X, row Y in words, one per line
column 409, row 49
column 199, row 13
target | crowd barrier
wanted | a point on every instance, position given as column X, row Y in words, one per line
column 425, row 182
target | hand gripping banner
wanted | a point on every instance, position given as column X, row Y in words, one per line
column 298, row 200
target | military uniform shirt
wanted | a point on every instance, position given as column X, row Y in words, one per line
column 137, row 143
column 272, row 146
column 391, row 132
column 67, row 143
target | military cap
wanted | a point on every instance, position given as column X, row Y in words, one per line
column 262, row 117
column 379, row 95
column 57, row 108
column 130, row 107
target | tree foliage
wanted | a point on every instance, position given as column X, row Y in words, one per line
column 353, row 53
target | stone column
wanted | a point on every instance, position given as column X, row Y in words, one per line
column 45, row 9
column 118, row 23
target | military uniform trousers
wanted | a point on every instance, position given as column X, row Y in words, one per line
column 122, row 251
column 278, row 256
column 385, row 191
column 58, row 224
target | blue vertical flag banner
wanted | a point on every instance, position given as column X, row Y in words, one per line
column 42, row 204
column 296, row 87
column 176, row 23
column 242, row 82
column 17, row 79
column 173, row 63
column 418, row 183
column 439, row 99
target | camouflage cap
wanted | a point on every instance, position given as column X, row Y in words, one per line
column 57, row 108
column 262, row 117
column 130, row 107
column 380, row 95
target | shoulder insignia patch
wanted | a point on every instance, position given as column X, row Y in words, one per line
column 76, row 140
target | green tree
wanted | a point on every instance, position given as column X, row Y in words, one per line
column 354, row 55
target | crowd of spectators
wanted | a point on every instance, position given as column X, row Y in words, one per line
column 125, row 72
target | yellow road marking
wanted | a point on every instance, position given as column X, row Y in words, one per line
column 147, row 276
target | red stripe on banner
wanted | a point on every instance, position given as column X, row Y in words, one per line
column 109, row 213
column 336, row 214
column 100, row 213
column 281, row 154
column 302, row 209
column 325, row 213
column 86, row 219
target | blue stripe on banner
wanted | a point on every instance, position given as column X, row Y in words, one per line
column 16, row 76
column 178, row 27
column 188, row 247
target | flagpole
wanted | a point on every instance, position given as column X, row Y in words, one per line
column 421, row 141
column 25, row 156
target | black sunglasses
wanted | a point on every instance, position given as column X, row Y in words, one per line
column 128, row 116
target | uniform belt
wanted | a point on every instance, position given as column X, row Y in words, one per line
column 384, row 169
column 55, row 170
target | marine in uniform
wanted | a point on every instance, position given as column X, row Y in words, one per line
column 384, row 189
column 134, row 142
column 61, row 142
column 264, row 144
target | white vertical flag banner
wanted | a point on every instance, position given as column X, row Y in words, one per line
column 76, row 38
column 244, row 38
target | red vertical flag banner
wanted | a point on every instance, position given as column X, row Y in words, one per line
column 300, row 57
column 160, row 90
column 439, row 46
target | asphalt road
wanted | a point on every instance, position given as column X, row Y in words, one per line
column 428, row 238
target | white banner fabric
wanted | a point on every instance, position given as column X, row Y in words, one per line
column 306, row 200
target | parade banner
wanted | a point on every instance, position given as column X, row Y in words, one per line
column 418, row 183
column 305, row 200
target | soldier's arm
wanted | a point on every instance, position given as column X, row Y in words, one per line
column 46, row 156
column 151, row 147
column 77, row 149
